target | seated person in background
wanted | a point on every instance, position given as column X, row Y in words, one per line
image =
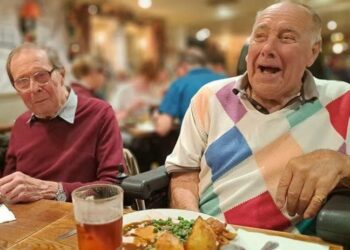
column 63, row 141
column 178, row 97
column 134, row 100
column 216, row 60
column 134, row 103
column 89, row 71
column 264, row 149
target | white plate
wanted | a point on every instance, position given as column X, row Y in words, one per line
column 248, row 240
column 165, row 214
column 147, row 126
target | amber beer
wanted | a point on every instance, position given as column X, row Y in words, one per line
column 106, row 236
column 98, row 212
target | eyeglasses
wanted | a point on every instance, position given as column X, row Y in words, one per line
column 41, row 78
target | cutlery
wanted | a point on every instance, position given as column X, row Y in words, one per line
column 270, row 245
column 67, row 234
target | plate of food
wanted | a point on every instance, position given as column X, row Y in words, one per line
column 174, row 229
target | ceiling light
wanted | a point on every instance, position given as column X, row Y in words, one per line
column 202, row 34
column 224, row 12
column 145, row 4
column 337, row 37
column 92, row 9
column 338, row 48
column 332, row 25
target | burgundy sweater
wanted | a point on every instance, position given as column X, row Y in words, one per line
column 81, row 90
column 75, row 154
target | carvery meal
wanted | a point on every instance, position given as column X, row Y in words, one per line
column 176, row 234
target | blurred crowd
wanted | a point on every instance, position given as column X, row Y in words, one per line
column 149, row 132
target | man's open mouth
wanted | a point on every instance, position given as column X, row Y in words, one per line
column 268, row 69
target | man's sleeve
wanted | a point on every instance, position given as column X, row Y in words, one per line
column 10, row 158
column 188, row 151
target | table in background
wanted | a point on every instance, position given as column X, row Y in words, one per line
column 5, row 128
column 39, row 224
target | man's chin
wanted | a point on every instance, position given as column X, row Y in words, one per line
column 44, row 114
column 268, row 79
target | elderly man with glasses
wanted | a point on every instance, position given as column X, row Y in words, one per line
column 63, row 141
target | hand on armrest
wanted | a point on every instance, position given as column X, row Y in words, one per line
column 184, row 191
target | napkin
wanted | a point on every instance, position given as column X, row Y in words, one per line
column 5, row 214
column 251, row 240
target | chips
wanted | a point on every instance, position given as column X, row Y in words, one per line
column 179, row 234
column 202, row 237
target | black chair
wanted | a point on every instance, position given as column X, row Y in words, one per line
column 4, row 141
column 332, row 223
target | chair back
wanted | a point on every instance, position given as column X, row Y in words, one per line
column 4, row 141
column 130, row 162
column 133, row 169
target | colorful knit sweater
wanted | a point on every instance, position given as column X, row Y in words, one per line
column 241, row 152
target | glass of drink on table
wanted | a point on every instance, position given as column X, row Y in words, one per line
column 98, row 212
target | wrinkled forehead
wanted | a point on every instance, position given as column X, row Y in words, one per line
column 28, row 54
column 285, row 12
column 27, row 59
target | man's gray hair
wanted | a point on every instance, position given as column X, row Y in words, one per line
column 51, row 55
column 317, row 22
column 194, row 56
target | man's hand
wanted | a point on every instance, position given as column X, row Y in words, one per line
column 184, row 191
column 19, row 187
column 308, row 179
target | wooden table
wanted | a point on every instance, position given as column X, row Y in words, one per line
column 39, row 223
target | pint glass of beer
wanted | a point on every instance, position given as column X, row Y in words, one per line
column 98, row 212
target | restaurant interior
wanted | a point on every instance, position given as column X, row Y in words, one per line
column 125, row 34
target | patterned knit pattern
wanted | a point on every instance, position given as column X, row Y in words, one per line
column 242, row 152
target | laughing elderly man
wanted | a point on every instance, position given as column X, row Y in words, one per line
column 264, row 149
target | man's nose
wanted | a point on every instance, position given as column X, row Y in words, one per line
column 34, row 86
column 269, row 49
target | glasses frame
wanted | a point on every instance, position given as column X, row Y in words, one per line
column 31, row 79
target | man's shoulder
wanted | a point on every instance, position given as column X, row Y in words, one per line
column 24, row 117
column 331, row 88
column 92, row 103
column 223, row 85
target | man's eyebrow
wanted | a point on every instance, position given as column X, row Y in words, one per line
column 289, row 30
column 29, row 73
column 261, row 27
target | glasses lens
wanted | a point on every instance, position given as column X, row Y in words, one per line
column 41, row 77
column 22, row 83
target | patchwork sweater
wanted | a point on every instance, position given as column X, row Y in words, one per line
column 242, row 152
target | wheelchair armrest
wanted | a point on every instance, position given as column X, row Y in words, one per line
column 145, row 185
column 333, row 220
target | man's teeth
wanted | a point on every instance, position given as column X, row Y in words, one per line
column 270, row 70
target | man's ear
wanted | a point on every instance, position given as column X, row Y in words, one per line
column 62, row 73
column 315, row 51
